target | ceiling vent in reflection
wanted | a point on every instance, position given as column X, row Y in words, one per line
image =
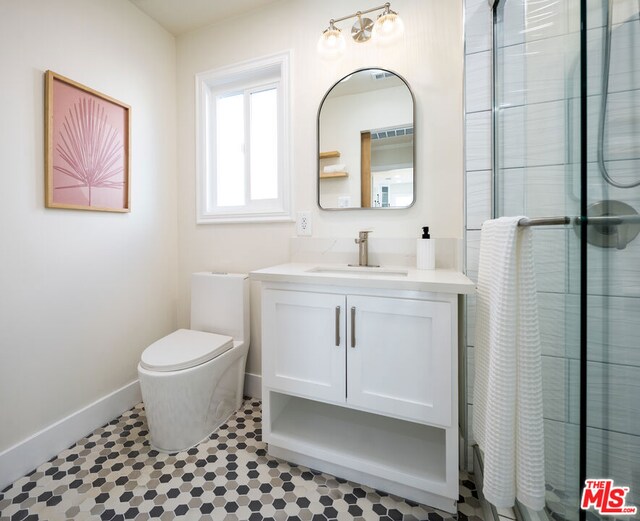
column 381, row 75
column 383, row 133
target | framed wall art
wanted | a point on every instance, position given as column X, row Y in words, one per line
column 86, row 148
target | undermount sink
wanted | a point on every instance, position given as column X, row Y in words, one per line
column 360, row 270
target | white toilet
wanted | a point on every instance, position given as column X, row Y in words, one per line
column 192, row 379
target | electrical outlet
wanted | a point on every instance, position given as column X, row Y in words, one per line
column 303, row 224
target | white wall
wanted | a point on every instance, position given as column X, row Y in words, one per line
column 429, row 58
column 81, row 293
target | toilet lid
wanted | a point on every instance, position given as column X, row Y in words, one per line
column 183, row 349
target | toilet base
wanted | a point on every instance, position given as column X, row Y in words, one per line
column 184, row 407
column 202, row 440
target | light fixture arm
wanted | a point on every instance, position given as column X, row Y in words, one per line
column 385, row 6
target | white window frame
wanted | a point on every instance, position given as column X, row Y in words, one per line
column 250, row 76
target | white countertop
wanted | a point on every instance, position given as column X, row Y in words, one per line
column 438, row 280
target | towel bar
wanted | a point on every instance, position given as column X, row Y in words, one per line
column 608, row 219
column 615, row 229
column 544, row 221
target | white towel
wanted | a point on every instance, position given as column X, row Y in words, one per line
column 507, row 412
column 340, row 167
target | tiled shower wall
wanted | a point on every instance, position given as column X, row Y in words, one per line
column 478, row 179
column 539, row 117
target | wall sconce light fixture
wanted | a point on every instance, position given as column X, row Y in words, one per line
column 386, row 29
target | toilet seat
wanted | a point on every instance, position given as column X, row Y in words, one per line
column 183, row 349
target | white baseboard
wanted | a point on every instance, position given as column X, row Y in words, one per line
column 253, row 385
column 27, row 455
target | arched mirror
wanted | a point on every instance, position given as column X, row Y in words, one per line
column 366, row 152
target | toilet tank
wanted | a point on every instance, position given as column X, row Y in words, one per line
column 220, row 304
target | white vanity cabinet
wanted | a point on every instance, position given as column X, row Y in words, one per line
column 359, row 376
column 398, row 357
column 380, row 354
column 303, row 341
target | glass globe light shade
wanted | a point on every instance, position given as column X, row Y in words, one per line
column 331, row 44
column 388, row 28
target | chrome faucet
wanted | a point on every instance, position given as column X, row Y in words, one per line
column 363, row 249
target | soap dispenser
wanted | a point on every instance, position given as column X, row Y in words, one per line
column 425, row 252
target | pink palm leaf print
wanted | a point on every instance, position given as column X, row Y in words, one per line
column 90, row 147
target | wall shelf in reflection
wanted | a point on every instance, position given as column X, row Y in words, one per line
column 333, row 175
column 329, row 154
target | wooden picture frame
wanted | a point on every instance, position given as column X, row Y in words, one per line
column 87, row 148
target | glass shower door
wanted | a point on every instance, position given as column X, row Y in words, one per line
column 537, row 174
column 558, row 152
column 613, row 254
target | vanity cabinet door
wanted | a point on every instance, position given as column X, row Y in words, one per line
column 303, row 351
column 399, row 357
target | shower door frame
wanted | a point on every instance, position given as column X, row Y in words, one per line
column 522, row 512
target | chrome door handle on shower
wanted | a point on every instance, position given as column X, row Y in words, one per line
column 337, row 326
column 353, row 326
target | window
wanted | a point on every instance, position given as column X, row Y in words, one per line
column 243, row 153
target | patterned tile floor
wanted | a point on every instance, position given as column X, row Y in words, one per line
column 113, row 474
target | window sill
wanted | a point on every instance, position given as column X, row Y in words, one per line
column 256, row 219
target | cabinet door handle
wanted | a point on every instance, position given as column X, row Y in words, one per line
column 353, row 327
column 337, row 326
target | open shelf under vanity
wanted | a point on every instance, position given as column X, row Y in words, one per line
column 402, row 457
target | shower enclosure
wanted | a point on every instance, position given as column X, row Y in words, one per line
column 566, row 143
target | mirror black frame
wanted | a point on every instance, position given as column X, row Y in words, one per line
column 413, row 100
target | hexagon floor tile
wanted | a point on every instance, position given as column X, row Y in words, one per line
column 113, row 474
